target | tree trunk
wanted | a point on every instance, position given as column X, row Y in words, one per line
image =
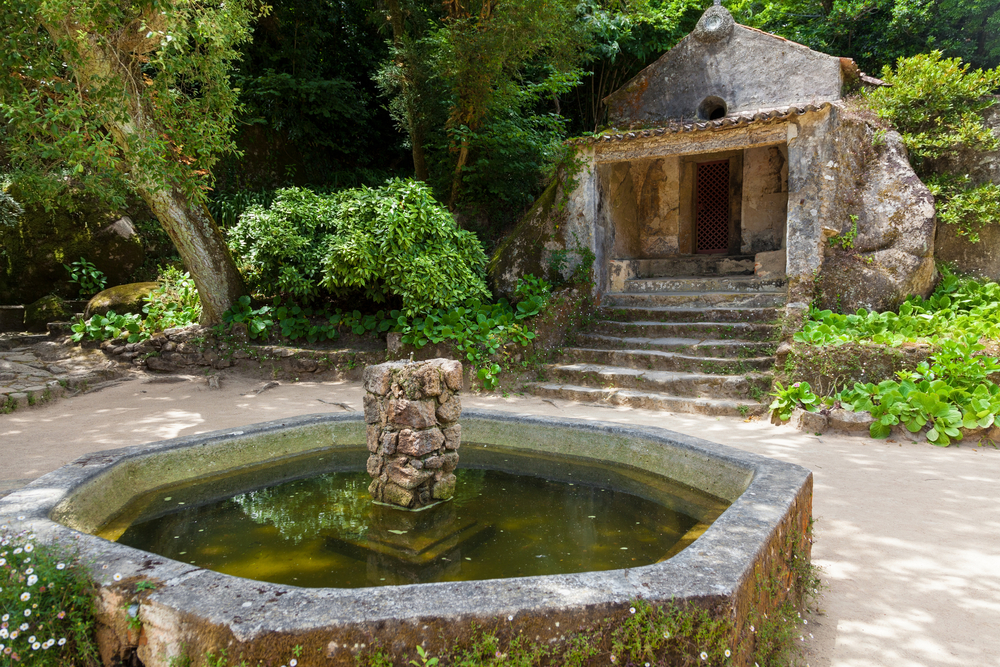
column 190, row 226
column 456, row 179
column 202, row 248
column 413, row 121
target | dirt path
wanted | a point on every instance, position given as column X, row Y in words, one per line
column 908, row 535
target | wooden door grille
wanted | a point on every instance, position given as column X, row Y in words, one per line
column 712, row 198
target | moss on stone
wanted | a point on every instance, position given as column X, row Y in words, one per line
column 523, row 250
column 49, row 308
column 121, row 299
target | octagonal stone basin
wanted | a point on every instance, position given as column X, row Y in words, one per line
column 194, row 610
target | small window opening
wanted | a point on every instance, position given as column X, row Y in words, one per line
column 712, row 108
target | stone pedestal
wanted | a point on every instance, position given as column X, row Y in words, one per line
column 411, row 412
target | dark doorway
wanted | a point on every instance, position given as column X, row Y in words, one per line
column 712, row 207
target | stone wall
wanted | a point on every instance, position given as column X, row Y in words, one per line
column 765, row 199
column 413, row 434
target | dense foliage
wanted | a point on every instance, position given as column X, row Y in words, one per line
column 878, row 32
column 393, row 243
column 954, row 389
column 937, row 103
column 175, row 303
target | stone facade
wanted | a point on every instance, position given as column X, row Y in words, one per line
column 413, row 434
column 802, row 167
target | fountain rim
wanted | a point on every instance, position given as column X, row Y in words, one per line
column 713, row 567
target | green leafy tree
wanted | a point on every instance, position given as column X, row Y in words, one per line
column 876, row 33
column 129, row 95
column 937, row 105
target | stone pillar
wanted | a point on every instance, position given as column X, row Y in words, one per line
column 411, row 412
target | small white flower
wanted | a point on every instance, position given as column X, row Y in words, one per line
column 17, row 551
column 3, row 561
column 631, row 610
column 14, row 634
column 27, row 613
column 60, row 566
column 62, row 641
column 117, row 577
column 751, row 629
column 666, row 635
column 32, row 536
column 3, row 633
column 30, row 570
column 32, row 580
column 704, row 656
column 23, row 627
column 25, row 597
column 5, row 617
column 31, row 639
column 510, row 618
column 292, row 662
column 805, row 622
column 20, row 518
column 727, row 653
column 28, row 548
column 36, row 646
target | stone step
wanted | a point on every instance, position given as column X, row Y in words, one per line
column 767, row 315
column 701, row 347
column 739, row 284
column 697, row 265
column 750, row 386
column 666, row 361
column 695, row 299
column 747, row 331
column 634, row 398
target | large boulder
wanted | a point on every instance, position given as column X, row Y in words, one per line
column 49, row 308
column 35, row 247
column 891, row 254
column 121, row 299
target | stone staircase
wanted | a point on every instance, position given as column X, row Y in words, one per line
column 684, row 343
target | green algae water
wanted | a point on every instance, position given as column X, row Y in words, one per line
column 309, row 521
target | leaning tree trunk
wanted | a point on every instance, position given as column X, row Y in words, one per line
column 190, row 226
column 202, row 249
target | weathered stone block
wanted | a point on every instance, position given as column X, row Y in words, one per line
column 397, row 495
column 451, row 370
column 452, row 436
column 374, row 465
column 419, row 443
column 444, row 488
column 407, row 476
column 449, row 461
column 388, row 444
column 450, row 410
column 411, row 414
column 378, row 379
column 373, row 432
column 856, row 423
column 373, row 412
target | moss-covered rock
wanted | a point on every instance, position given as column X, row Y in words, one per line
column 527, row 249
column 121, row 299
column 34, row 248
column 49, row 308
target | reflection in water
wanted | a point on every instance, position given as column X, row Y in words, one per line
column 324, row 531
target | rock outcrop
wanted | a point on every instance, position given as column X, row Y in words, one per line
column 885, row 251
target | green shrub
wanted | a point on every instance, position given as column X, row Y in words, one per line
column 389, row 242
column 175, row 303
column 937, row 105
column 109, row 326
column 797, row 395
column 87, row 277
column 46, row 605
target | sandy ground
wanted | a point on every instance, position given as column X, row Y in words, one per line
column 908, row 534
